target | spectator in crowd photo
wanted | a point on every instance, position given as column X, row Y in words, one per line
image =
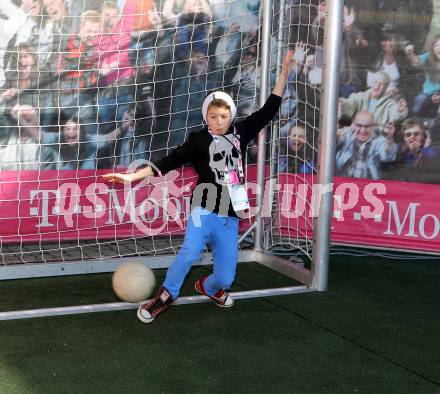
column 416, row 149
column 79, row 149
column 21, row 76
column 243, row 13
column 296, row 157
column 192, row 28
column 116, row 79
column 316, row 39
column 230, row 49
column 355, row 48
column 308, row 100
column 156, row 77
column 172, row 10
column 298, row 17
column 54, row 32
column 359, row 152
column 20, row 25
column 289, row 106
column 23, row 82
column 111, row 15
column 19, row 149
column 187, row 99
column 146, row 16
column 151, row 55
column 133, row 141
column 149, row 36
column 74, row 148
column 76, row 8
column 411, row 18
column 317, row 27
column 391, row 60
column 416, row 158
column 227, row 47
column 377, row 101
column 246, row 81
column 426, row 104
column 354, row 53
column 77, row 75
column 145, row 86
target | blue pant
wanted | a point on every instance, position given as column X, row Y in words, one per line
column 204, row 227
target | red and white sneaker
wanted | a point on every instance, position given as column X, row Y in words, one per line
column 221, row 298
column 147, row 312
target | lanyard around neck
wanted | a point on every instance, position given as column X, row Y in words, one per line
column 235, row 143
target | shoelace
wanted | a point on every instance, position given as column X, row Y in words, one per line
column 221, row 296
column 157, row 305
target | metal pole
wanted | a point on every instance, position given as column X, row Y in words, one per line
column 264, row 93
column 328, row 124
column 280, row 44
column 276, row 127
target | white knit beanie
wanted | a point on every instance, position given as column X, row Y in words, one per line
column 219, row 96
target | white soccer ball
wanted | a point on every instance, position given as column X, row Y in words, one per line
column 133, row 281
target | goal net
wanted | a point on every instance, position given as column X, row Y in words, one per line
column 293, row 158
column 91, row 87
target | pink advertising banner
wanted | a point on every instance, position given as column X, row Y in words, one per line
column 66, row 205
column 387, row 214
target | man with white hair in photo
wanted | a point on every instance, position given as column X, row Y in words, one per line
column 359, row 152
column 376, row 100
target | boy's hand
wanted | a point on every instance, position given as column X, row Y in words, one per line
column 288, row 63
column 117, row 177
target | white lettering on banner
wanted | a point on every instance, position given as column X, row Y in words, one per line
column 271, row 185
column 116, row 207
column 342, row 204
column 375, row 202
column 409, row 222
column 97, row 210
column 436, row 226
column 394, row 218
column 177, row 205
column 300, row 203
column 150, row 214
column 73, row 206
column 66, row 203
column 146, row 207
column 42, row 209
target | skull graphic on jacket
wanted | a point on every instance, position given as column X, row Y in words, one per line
column 223, row 158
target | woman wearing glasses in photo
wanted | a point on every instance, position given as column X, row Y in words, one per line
column 416, row 157
column 416, row 153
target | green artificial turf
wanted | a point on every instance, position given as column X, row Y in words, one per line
column 375, row 331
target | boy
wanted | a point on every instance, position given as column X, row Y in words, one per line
column 216, row 155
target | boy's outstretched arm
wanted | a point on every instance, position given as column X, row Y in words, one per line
column 176, row 159
column 133, row 177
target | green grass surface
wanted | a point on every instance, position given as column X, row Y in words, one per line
column 375, row 331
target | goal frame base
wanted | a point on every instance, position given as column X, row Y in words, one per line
column 288, row 268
